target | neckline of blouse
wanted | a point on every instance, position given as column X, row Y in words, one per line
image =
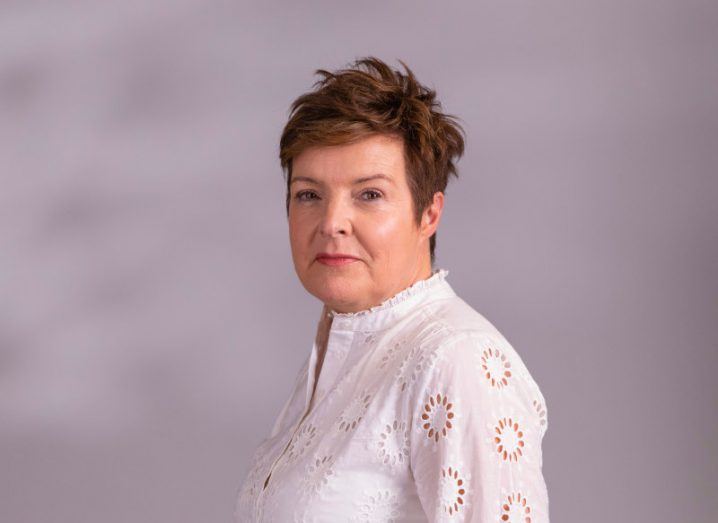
column 395, row 308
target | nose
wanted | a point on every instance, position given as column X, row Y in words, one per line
column 336, row 218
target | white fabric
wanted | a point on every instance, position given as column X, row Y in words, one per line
column 423, row 412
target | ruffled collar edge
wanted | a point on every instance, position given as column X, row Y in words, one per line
column 438, row 275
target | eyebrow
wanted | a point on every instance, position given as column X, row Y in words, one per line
column 356, row 182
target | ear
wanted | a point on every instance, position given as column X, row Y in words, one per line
column 432, row 215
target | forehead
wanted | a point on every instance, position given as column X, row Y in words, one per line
column 369, row 156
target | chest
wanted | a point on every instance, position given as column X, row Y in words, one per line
column 349, row 450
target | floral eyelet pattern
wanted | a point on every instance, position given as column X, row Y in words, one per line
column 515, row 509
column 437, row 416
column 509, row 439
column 452, row 490
column 393, row 444
column 382, row 505
column 541, row 411
column 394, row 351
column 496, row 367
column 369, row 338
column 317, row 474
column 301, row 442
column 412, row 365
column 354, row 412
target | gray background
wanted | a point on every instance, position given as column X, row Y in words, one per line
column 151, row 322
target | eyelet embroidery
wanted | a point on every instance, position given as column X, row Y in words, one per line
column 413, row 363
column 393, row 352
column 301, row 442
column 382, row 505
column 437, row 417
column 509, row 438
column 354, row 412
column 393, row 444
column 317, row 474
column 541, row 411
column 496, row 367
column 452, row 490
column 369, row 337
column 516, row 509
column 336, row 392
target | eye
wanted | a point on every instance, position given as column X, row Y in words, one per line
column 300, row 195
column 372, row 192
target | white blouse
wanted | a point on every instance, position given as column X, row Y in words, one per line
column 422, row 412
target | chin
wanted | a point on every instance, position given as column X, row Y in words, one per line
column 339, row 289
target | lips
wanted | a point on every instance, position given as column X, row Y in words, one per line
column 336, row 259
column 335, row 256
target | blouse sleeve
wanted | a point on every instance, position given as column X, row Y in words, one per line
column 475, row 446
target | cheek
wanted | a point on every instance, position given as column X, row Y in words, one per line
column 392, row 231
column 297, row 235
column 298, row 225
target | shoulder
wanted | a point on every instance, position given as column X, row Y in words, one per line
column 454, row 328
column 458, row 316
column 448, row 319
column 464, row 349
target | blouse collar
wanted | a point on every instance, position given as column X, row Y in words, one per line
column 393, row 309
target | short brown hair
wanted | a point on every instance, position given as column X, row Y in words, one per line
column 370, row 98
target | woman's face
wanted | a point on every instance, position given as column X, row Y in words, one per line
column 339, row 204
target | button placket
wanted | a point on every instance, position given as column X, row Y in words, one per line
column 337, row 349
column 293, row 432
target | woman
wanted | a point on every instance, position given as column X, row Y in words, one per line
column 411, row 406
